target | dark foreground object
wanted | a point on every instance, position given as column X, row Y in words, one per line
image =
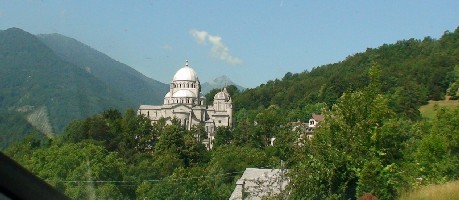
column 18, row 183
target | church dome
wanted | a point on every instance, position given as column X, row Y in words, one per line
column 186, row 74
column 184, row 93
column 222, row 95
column 168, row 95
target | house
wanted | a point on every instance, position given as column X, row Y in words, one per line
column 306, row 130
column 314, row 123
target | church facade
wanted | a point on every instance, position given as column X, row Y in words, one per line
column 185, row 103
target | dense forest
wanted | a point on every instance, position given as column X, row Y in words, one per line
column 412, row 72
column 373, row 139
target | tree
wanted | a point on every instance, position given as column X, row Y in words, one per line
column 198, row 132
column 193, row 151
column 184, row 183
column 285, row 145
column 267, row 124
column 231, row 160
column 73, row 168
column 353, row 140
column 408, row 98
column 137, row 135
column 438, row 149
column 183, row 143
column 223, row 136
column 171, row 139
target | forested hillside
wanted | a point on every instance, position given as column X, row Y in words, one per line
column 362, row 147
column 373, row 139
column 412, row 72
column 50, row 80
column 131, row 83
column 36, row 82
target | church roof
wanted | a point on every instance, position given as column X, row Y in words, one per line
column 149, row 107
column 186, row 74
column 222, row 95
column 184, row 93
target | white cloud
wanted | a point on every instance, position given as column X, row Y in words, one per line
column 218, row 50
column 200, row 36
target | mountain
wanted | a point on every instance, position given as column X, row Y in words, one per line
column 139, row 88
column 218, row 82
column 40, row 88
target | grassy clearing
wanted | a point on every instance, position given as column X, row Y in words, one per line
column 428, row 111
column 439, row 192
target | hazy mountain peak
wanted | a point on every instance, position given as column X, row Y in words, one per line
column 221, row 79
column 218, row 82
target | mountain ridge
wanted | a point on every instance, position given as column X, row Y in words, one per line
column 118, row 75
column 34, row 77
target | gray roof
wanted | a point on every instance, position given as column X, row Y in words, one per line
column 319, row 118
column 256, row 183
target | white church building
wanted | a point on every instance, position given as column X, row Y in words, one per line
column 185, row 103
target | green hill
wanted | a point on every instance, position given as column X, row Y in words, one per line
column 139, row 88
column 412, row 72
column 37, row 84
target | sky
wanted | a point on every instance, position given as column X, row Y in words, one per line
column 251, row 42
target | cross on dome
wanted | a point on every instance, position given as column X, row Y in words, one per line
column 186, row 63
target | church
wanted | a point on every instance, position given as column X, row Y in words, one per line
column 185, row 103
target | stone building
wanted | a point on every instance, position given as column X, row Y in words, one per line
column 185, row 103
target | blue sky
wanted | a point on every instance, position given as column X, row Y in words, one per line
column 249, row 41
